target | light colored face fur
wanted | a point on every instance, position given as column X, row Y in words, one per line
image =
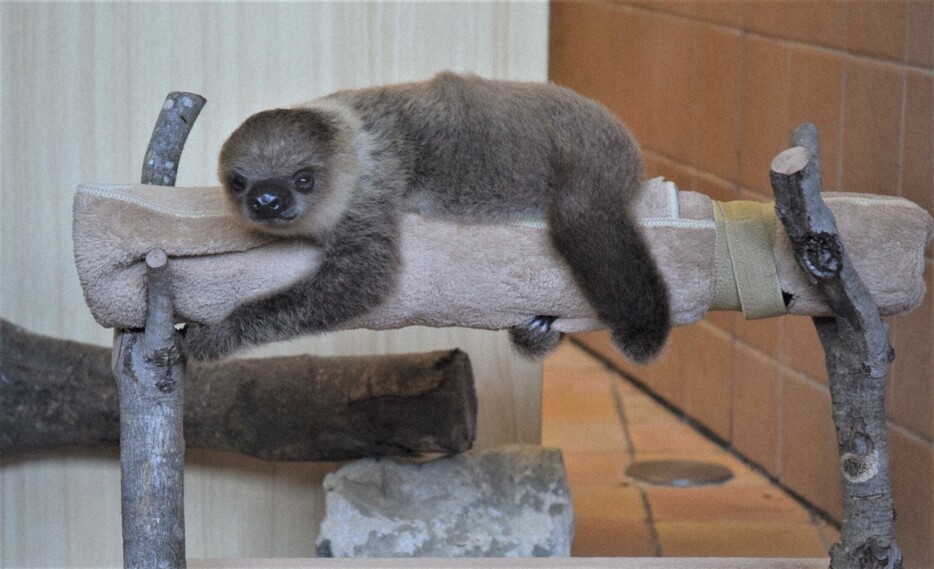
column 290, row 171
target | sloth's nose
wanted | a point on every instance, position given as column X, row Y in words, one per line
column 268, row 204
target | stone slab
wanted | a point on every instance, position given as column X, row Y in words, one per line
column 512, row 501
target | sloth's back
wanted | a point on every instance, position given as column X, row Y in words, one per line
column 494, row 150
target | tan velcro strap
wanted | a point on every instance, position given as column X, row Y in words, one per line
column 747, row 277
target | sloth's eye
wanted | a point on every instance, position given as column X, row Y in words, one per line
column 237, row 183
column 304, row 181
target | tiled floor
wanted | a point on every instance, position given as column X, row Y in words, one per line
column 603, row 424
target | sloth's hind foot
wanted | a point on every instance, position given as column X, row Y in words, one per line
column 535, row 337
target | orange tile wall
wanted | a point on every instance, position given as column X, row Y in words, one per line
column 712, row 90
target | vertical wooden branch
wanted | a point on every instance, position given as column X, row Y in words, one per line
column 150, row 382
column 179, row 113
column 857, row 353
column 149, row 368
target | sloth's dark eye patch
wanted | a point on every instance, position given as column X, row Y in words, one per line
column 236, row 183
column 304, row 181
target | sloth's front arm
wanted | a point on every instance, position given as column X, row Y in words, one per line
column 358, row 272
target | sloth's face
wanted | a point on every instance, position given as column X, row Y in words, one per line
column 273, row 200
column 285, row 171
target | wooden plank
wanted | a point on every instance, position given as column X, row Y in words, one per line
column 522, row 563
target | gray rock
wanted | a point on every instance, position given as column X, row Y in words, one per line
column 508, row 502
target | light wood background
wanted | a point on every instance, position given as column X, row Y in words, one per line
column 81, row 87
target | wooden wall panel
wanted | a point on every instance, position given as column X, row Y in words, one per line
column 81, row 87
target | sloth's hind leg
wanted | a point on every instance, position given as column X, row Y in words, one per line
column 535, row 337
column 612, row 264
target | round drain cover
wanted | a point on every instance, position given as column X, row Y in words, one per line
column 679, row 472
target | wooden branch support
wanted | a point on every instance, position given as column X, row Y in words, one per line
column 179, row 113
column 150, row 370
column 57, row 393
column 858, row 356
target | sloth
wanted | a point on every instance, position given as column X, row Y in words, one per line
column 341, row 170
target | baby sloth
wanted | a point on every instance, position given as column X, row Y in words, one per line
column 341, row 170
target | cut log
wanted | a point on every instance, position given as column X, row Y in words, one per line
column 58, row 393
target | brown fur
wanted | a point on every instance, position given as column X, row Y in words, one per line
column 455, row 147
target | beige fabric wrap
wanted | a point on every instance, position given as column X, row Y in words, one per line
column 483, row 276
column 746, row 273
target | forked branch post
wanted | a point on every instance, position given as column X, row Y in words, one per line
column 150, row 369
column 858, row 356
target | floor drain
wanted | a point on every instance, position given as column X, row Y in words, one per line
column 682, row 473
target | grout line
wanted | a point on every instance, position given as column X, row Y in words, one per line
column 908, row 433
column 692, row 170
column 803, row 377
column 780, row 419
column 788, row 96
column 842, row 126
column 821, row 532
column 900, row 181
column 906, row 42
column 621, row 414
column 631, row 449
column 650, row 522
column 739, row 133
column 846, row 27
column 710, row 435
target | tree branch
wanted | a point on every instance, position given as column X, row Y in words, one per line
column 178, row 115
column 150, row 383
column 150, row 370
column 858, row 356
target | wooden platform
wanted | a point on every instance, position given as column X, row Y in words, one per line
column 523, row 563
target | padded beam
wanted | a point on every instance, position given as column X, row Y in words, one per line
column 479, row 276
